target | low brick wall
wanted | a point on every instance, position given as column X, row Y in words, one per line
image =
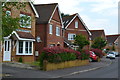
column 54, row 66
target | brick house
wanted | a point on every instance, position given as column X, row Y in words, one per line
column 21, row 43
column 48, row 27
column 74, row 25
column 113, row 40
column 97, row 33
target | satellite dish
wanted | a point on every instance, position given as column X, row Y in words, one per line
column 38, row 39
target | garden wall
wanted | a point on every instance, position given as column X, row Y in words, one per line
column 54, row 66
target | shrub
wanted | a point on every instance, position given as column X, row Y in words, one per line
column 98, row 52
column 20, row 60
column 85, row 55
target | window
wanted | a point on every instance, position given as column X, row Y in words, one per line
column 116, row 43
column 25, row 21
column 57, row 31
column 20, row 49
column 52, row 45
column 24, row 48
column 8, row 13
column 110, row 44
column 71, row 36
column 76, row 24
column 50, row 29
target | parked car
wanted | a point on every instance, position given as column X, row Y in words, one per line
column 93, row 56
column 116, row 53
column 110, row 54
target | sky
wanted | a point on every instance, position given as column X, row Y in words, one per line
column 97, row 14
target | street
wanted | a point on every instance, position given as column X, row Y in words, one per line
column 109, row 71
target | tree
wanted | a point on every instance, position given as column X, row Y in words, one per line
column 99, row 43
column 9, row 23
column 63, row 15
column 81, row 41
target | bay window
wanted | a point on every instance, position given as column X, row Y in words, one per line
column 24, row 48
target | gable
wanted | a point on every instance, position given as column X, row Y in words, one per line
column 80, row 25
column 56, row 16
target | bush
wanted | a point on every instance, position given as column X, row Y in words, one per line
column 85, row 55
column 98, row 52
column 20, row 60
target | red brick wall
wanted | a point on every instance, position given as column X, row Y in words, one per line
column 71, row 29
column 52, row 38
column 80, row 30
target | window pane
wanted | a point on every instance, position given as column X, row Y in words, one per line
column 20, row 47
column 5, row 45
column 8, row 45
column 57, row 31
column 30, row 47
column 71, row 36
column 50, row 29
column 76, row 24
column 26, row 47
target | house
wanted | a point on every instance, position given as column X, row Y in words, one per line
column 48, row 27
column 97, row 33
column 113, row 41
column 74, row 25
column 21, row 43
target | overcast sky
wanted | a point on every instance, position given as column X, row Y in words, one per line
column 97, row 14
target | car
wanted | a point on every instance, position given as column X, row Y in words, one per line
column 110, row 55
column 116, row 53
column 93, row 56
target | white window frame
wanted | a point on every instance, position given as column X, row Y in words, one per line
column 70, row 36
column 76, row 24
column 50, row 29
column 24, row 52
column 57, row 31
column 8, row 11
column 29, row 26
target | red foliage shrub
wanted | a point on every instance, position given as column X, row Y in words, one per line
column 58, row 50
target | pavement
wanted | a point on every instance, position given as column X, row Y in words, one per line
column 57, row 73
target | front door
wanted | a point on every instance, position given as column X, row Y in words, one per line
column 7, row 50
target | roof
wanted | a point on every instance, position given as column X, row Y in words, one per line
column 68, row 19
column 25, row 35
column 112, row 38
column 45, row 11
column 96, row 33
column 21, row 36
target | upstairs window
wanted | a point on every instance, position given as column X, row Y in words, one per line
column 8, row 13
column 76, row 24
column 50, row 29
column 25, row 21
column 57, row 31
column 71, row 36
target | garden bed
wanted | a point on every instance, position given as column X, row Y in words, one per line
column 54, row 66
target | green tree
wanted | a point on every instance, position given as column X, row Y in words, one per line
column 81, row 41
column 99, row 43
column 63, row 15
column 9, row 23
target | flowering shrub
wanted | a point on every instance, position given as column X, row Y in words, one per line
column 98, row 52
column 57, row 54
column 85, row 55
